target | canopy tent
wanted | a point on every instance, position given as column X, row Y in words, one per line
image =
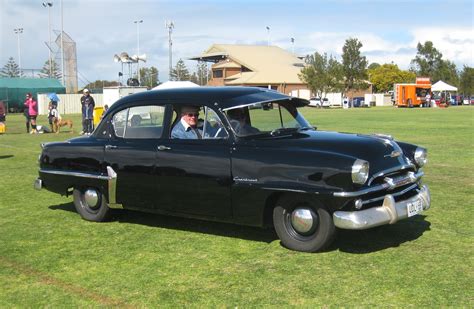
column 442, row 86
column 175, row 84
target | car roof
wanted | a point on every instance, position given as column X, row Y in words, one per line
column 226, row 97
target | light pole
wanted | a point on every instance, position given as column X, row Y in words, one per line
column 62, row 47
column 170, row 26
column 49, row 5
column 19, row 31
column 138, row 22
column 268, row 34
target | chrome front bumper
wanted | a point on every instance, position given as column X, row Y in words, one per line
column 389, row 213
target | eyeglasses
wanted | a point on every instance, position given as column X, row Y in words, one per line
column 192, row 114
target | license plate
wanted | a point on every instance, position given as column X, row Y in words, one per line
column 414, row 207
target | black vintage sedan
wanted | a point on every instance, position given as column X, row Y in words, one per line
column 253, row 160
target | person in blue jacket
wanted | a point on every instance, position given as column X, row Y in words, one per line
column 187, row 127
column 88, row 104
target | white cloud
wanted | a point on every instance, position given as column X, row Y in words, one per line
column 456, row 44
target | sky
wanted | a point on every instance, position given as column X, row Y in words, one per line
column 388, row 30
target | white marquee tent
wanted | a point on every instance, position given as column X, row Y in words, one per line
column 442, row 86
column 175, row 84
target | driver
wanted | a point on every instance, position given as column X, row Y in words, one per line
column 187, row 128
column 238, row 121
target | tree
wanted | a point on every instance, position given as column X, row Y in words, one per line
column 203, row 74
column 466, row 83
column 429, row 62
column 98, row 84
column 373, row 65
column 10, row 69
column 354, row 65
column 194, row 78
column 56, row 73
column 180, row 72
column 322, row 74
column 149, row 76
column 384, row 76
column 448, row 72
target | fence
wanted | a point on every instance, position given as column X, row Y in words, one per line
column 68, row 104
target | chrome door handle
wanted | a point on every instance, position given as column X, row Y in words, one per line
column 110, row 147
column 163, row 147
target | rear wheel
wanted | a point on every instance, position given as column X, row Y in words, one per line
column 303, row 224
column 90, row 203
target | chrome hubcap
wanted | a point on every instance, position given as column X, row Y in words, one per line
column 302, row 220
column 91, row 197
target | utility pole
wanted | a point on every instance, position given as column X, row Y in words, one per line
column 49, row 5
column 19, row 31
column 170, row 26
column 138, row 22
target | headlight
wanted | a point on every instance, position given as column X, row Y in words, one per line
column 360, row 171
column 421, row 156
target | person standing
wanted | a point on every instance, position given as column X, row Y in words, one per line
column 3, row 112
column 32, row 107
column 428, row 99
column 88, row 104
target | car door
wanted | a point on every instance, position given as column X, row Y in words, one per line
column 195, row 174
column 132, row 152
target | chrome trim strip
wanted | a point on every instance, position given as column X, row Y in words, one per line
column 283, row 189
column 411, row 179
column 390, row 170
column 413, row 186
column 111, row 181
column 255, row 103
column 388, row 213
column 74, row 174
column 112, row 186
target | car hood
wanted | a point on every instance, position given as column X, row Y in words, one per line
column 382, row 153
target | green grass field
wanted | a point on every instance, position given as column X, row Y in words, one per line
column 50, row 257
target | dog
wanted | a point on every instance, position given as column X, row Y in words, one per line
column 58, row 123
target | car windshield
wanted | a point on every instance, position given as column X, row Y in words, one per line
column 263, row 119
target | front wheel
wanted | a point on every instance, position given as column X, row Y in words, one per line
column 302, row 224
column 90, row 203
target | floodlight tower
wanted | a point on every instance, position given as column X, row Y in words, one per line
column 170, row 26
column 19, row 31
column 138, row 22
column 49, row 5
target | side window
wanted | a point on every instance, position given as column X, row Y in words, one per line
column 197, row 122
column 119, row 122
column 212, row 126
column 139, row 122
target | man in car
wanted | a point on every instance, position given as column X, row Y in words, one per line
column 187, row 127
column 238, row 121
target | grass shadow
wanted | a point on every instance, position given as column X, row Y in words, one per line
column 6, row 157
column 185, row 224
column 381, row 238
